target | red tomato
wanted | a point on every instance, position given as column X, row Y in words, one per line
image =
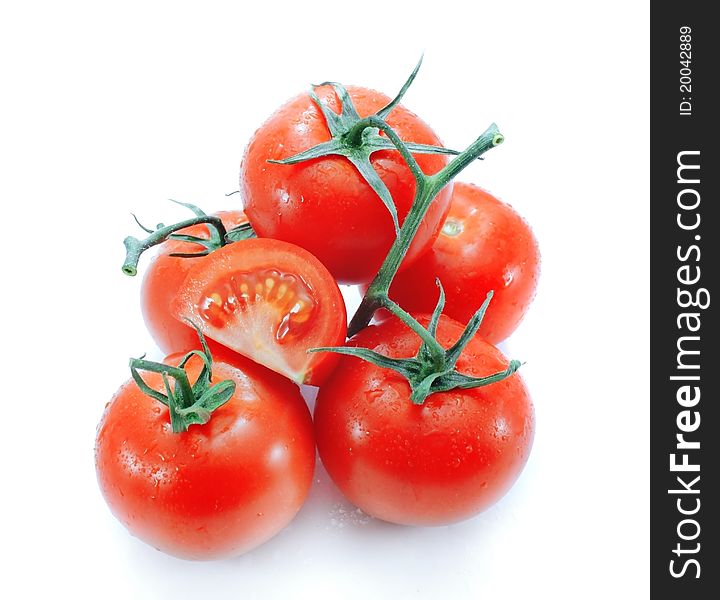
column 162, row 280
column 324, row 205
column 429, row 464
column 217, row 489
column 484, row 245
column 268, row 300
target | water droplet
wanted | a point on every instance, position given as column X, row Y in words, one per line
column 508, row 277
column 452, row 227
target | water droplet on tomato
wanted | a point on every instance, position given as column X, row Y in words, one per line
column 508, row 277
column 452, row 227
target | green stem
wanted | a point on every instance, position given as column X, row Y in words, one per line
column 388, row 108
column 437, row 352
column 490, row 138
column 355, row 134
column 427, row 188
column 135, row 247
column 184, row 390
column 175, row 420
column 187, row 404
column 471, row 329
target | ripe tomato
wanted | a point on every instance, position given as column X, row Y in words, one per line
column 429, row 464
column 268, row 300
column 217, row 489
column 162, row 280
column 324, row 205
column 483, row 245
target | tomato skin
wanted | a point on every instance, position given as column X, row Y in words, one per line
column 164, row 276
column 496, row 250
column 216, row 490
column 324, row 205
column 430, row 464
column 255, row 334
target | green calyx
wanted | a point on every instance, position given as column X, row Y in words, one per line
column 432, row 369
column 357, row 139
column 218, row 237
column 187, row 404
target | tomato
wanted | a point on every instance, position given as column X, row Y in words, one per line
column 162, row 280
column 484, row 245
column 429, row 464
column 324, row 205
column 217, row 489
column 268, row 300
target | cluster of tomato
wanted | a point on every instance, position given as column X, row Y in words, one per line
column 419, row 419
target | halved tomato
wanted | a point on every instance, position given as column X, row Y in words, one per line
column 270, row 301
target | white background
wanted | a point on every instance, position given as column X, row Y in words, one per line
column 111, row 108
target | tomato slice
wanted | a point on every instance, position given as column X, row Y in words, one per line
column 270, row 301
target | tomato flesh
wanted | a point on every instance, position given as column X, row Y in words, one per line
column 274, row 305
column 270, row 309
column 270, row 301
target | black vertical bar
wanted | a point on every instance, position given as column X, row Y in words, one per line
column 685, row 267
